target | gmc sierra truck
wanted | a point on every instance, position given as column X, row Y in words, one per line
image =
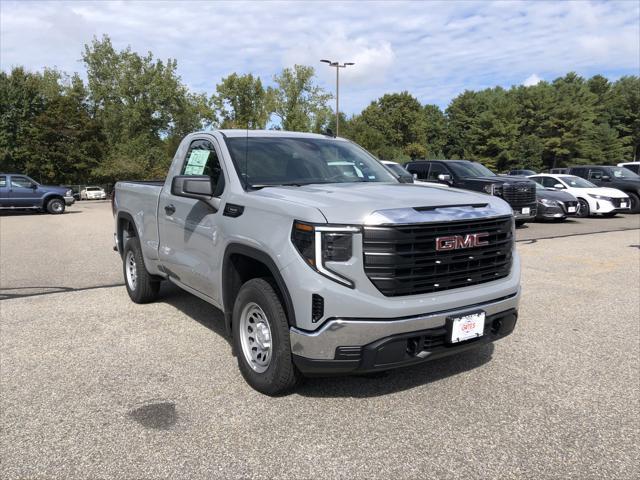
column 519, row 192
column 319, row 269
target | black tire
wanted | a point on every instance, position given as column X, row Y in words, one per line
column 634, row 199
column 56, row 206
column 584, row 210
column 281, row 374
column 145, row 287
column 609, row 215
column 520, row 223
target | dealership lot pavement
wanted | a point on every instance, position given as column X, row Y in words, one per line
column 94, row 386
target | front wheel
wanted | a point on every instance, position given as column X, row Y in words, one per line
column 583, row 211
column 261, row 339
column 142, row 287
column 55, row 206
column 635, row 202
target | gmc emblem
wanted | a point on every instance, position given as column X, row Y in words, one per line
column 454, row 242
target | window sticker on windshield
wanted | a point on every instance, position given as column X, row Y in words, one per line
column 196, row 163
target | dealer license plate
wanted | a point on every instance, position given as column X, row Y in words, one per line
column 623, row 204
column 571, row 209
column 526, row 211
column 466, row 327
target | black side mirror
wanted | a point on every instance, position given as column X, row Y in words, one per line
column 198, row 187
column 605, row 178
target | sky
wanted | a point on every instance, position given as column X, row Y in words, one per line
column 435, row 50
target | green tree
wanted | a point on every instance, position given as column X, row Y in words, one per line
column 141, row 106
column 242, row 102
column 298, row 102
column 624, row 114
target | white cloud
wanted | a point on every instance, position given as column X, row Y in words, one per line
column 435, row 50
column 532, row 80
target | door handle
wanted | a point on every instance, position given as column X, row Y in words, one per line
column 169, row 209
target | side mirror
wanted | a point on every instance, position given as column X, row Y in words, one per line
column 34, row 185
column 198, row 187
column 444, row 177
column 405, row 179
column 558, row 186
column 605, row 178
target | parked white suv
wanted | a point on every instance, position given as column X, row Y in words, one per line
column 593, row 200
column 93, row 193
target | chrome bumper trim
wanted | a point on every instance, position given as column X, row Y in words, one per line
column 322, row 343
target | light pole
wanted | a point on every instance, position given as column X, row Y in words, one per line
column 337, row 66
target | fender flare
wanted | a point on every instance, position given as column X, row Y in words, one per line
column 119, row 231
column 49, row 196
column 264, row 258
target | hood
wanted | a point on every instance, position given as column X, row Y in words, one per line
column 354, row 203
column 607, row 192
column 501, row 179
column 54, row 189
column 627, row 183
column 555, row 195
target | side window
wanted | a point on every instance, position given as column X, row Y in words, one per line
column 435, row 170
column 549, row 181
column 21, row 182
column 419, row 169
column 202, row 159
column 3, row 182
column 595, row 174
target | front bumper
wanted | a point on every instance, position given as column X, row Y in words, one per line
column 361, row 345
column 69, row 201
column 521, row 213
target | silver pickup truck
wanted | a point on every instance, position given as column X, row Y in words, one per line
column 321, row 261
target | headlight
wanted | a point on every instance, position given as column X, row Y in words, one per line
column 318, row 244
column 68, row 193
column 488, row 188
column 548, row 203
column 600, row 197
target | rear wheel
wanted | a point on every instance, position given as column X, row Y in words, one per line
column 261, row 339
column 635, row 202
column 583, row 211
column 142, row 287
column 55, row 206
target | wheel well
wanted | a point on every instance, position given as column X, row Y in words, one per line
column 51, row 197
column 125, row 224
column 238, row 269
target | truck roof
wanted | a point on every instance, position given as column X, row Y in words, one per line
column 233, row 133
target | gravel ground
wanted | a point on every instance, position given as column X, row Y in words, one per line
column 94, row 386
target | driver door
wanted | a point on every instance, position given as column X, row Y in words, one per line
column 22, row 192
column 189, row 229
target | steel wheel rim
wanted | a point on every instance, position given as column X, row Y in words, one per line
column 57, row 206
column 131, row 270
column 255, row 337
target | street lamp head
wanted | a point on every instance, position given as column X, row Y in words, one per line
column 326, row 61
column 349, row 63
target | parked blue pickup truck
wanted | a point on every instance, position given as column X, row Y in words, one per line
column 21, row 192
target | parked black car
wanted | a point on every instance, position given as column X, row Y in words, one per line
column 612, row 177
column 521, row 172
column 519, row 192
column 555, row 205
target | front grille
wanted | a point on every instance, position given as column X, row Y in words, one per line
column 519, row 194
column 570, row 204
column 616, row 202
column 403, row 260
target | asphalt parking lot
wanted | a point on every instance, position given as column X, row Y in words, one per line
column 95, row 386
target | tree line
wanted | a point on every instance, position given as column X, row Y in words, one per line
column 128, row 118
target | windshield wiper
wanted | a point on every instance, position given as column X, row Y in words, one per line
column 264, row 185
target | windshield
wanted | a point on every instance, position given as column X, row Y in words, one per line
column 271, row 161
column 470, row 169
column 576, row 182
column 621, row 172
